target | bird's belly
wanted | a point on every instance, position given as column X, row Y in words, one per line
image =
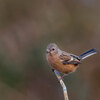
column 58, row 65
column 65, row 68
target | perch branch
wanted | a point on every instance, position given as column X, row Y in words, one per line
column 62, row 84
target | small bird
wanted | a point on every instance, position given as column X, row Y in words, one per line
column 65, row 62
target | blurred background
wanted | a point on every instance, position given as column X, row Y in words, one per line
column 27, row 27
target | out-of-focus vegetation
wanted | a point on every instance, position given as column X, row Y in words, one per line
column 27, row 27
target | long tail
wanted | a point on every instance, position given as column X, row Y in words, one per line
column 88, row 53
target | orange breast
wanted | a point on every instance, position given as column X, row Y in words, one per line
column 56, row 63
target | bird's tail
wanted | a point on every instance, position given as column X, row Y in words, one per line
column 88, row 53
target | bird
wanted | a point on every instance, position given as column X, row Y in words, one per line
column 65, row 62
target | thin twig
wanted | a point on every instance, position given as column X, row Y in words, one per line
column 62, row 84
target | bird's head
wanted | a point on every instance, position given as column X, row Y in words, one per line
column 52, row 49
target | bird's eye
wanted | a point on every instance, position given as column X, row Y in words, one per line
column 53, row 49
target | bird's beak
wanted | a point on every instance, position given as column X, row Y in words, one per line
column 47, row 51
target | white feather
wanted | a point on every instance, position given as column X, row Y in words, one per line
column 88, row 55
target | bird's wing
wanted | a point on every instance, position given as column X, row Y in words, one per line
column 64, row 56
column 67, row 58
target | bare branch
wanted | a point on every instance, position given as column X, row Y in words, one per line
column 62, row 84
